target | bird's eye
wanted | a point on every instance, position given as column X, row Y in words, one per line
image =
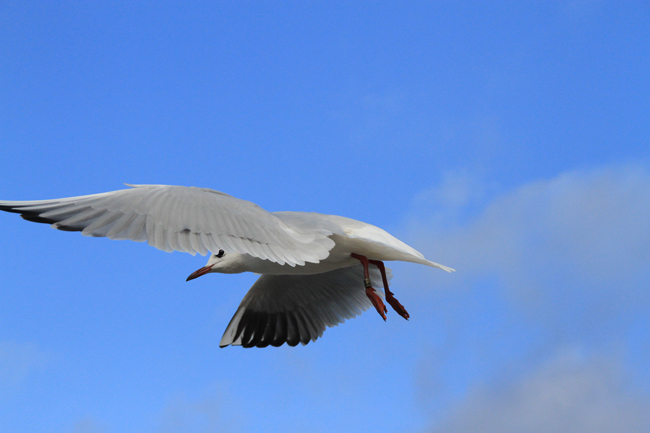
column 220, row 254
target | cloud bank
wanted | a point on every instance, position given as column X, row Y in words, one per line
column 571, row 255
column 566, row 394
column 578, row 241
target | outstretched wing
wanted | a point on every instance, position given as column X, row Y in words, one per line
column 185, row 219
column 298, row 308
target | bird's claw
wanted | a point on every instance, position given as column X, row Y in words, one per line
column 377, row 302
column 399, row 308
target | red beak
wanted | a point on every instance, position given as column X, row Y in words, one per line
column 204, row 270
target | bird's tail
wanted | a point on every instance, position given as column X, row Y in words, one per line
column 424, row 261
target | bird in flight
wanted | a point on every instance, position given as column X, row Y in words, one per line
column 316, row 270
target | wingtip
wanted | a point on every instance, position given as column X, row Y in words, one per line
column 439, row 266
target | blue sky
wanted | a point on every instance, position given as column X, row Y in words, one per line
column 507, row 140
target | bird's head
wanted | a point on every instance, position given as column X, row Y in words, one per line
column 222, row 262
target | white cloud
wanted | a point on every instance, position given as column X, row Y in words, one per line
column 573, row 254
column 88, row 425
column 18, row 361
column 580, row 240
column 566, row 394
column 212, row 413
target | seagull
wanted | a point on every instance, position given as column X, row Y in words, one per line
column 316, row 270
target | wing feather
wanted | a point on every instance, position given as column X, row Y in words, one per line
column 176, row 218
column 173, row 241
column 138, row 229
column 120, row 225
column 196, row 243
column 293, row 334
column 280, row 335
column 296, row 309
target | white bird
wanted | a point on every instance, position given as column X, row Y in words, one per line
column 316, row 270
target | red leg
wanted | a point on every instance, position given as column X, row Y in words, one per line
column 370, row 292
column 389, row 295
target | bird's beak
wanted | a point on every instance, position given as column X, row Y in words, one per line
column 204, row 270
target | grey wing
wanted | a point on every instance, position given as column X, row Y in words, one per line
column 295, row 309
column 179, row 218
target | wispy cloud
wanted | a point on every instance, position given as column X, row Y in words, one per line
column 88, row 425
column 18, row 361
column 580, row 238
column 568, row 393
column 208, row 414
column 213, row 411
column 556, row 263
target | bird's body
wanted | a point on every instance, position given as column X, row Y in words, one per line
column 316, row 269
column 349, row 236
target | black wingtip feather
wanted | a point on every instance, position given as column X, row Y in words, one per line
column 70, row 229
column 303, row 329
column 266, row 336
column 242, row 324
column 35, row 218
column 10, row 209
column 261, row 329
column 280, row 336
column 257, row 330
column 293, row 336
column 249, row 327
